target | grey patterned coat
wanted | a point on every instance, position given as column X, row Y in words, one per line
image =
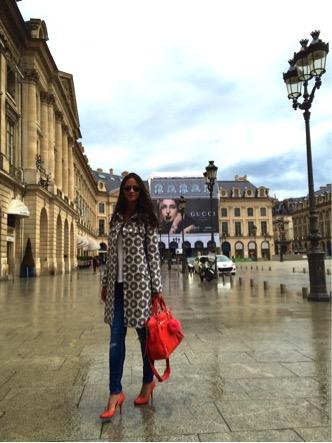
column 141, row 270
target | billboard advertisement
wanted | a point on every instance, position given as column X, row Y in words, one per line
column 196, row 224
column 196, row 219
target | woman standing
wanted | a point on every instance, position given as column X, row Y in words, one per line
column 131, row 278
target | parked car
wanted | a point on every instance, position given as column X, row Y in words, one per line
column 225, row 265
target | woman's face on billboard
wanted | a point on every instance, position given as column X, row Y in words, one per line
column 168, row 209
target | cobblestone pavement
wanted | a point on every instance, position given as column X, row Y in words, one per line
column 255, row 365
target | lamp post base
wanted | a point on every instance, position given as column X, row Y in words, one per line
column 184, row 265
column 316, row 265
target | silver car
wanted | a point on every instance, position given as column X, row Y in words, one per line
column 225, row 265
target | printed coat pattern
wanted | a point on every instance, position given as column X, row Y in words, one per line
column 141, row 270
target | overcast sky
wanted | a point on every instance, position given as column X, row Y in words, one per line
column 166, row 86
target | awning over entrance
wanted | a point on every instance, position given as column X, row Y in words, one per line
column 17, row 207
column 82, row 242
column 93, row 244
column 87, row 243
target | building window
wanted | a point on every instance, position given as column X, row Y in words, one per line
column 102, row 208
column 251, row 230
column 238, row 228
column 224, row 228
column 264, row 228
column 10, row 141
column 224, row 212
column 11, row 82
column 237, row 212
column 250, row 212
column 101, row 227
column 263, row 212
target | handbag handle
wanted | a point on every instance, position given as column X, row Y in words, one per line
column 158, row 302
column 166, row 374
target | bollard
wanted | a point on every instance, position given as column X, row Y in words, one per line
column 303, row 270
column 262, row 268
column 257, row 268
column 304, row 292
column 240, row 281
column 282, row 288
column 265, row 285
column 293, row 269
column 269, row 268
column 251, row 282
column 246, row 267
column 328, row 272
column 231, row 279
column 250, row 267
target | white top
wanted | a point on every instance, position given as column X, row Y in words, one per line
column 120, row 259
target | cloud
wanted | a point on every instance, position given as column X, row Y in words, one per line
column 171, row 85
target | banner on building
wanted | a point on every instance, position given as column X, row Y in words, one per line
column 196, row 219
column 196, row 222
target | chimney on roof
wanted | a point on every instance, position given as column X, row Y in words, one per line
column 111, row 171
column 240, row 178
column 99, row 170
column 124, row 173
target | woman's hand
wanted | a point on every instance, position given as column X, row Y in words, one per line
column 175, row 224
column 156, row 295
column 103, row 294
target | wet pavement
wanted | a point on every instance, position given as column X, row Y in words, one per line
column 255, row 364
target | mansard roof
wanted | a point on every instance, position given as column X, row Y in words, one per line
column 242, row 185
column 112, row 181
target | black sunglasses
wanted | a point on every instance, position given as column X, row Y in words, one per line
column 128, row 188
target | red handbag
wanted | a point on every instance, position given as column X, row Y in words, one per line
column 163, row 336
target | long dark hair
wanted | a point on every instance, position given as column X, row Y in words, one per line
column 144, row 207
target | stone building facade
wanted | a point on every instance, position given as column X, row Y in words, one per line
column 44, row 175
column 108, row 185
column 295, row 211
column 245, row 219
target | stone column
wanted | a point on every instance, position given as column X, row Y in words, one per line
column 3, row 71
column 44, row 129
column 71, row 171
column 65, row 160
column 58, row 149
column 51, row 138
column 29, row 127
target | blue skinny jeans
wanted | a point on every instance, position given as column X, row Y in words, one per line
column 117, row 351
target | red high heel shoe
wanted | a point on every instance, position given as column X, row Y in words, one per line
column 109, row 413
column 144, row 400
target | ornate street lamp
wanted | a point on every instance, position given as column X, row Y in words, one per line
column 281, row 229
column 169, row 260
column 210, row 176
column 182, row 207
column 307, row 64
